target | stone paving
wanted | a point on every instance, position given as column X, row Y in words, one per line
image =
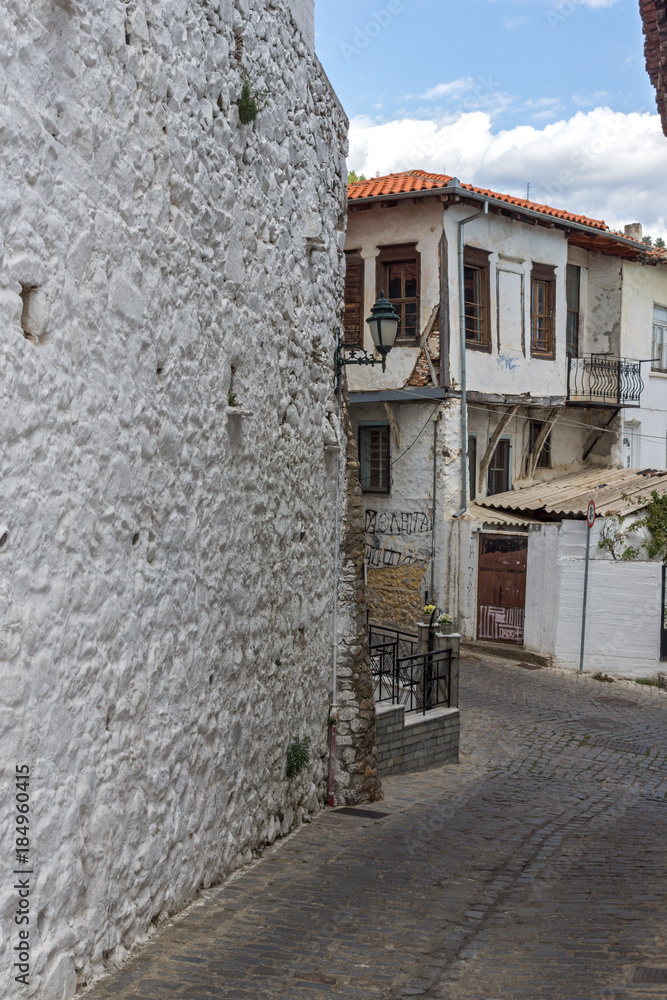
column 533, row 869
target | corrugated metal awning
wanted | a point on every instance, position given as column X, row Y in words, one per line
column 614, row 491
column 499, row 517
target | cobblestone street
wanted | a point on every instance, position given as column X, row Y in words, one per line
column 535, row 868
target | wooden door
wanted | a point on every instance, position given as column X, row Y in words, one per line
column 501, row 588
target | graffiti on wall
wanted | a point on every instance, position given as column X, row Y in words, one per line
column 396, row 538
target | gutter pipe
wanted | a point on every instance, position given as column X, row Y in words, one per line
column 333, row 711
column 462, row 347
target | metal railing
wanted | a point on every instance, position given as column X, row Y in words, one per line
column 420, row 682
column 604, row 380
column 406, row 642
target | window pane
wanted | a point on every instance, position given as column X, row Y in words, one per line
column 499, row 470
column 374, row 458
column 409, row 320
column 572, row 286
column 410, row 280
column 473, row 303
column 395, row 281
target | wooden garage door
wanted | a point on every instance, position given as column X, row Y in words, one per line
column 501, row 588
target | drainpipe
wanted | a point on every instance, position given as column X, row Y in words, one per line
column 462, row 347
column 333, row 713
column 435, row 485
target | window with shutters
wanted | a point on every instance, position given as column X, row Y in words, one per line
column 374, row 458
column 398, row 276
column 542, row 311
column 354, row 299
column 476, row 294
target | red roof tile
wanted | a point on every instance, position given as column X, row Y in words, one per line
column 419, row 180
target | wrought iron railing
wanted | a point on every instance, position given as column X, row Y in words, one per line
column 604, row 380
column 420, row 682
column 406, row 641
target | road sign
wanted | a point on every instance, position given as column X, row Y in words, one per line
column 590, row 516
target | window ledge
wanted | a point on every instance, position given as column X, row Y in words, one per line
column 657, row 374
column 472, row 346
column 542, row 357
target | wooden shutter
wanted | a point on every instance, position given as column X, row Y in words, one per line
column 354, row 300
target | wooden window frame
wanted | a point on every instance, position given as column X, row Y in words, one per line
column 400, row 253
column 474, row 258
column 535, row 428
column 363, row 428
column 508, row 442
column 543, row 274
column 659, row 364
column 354, row 338
column 575, row 313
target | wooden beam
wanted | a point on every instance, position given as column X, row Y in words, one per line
column 493, row 443
column 393, row 423
column 534, row 456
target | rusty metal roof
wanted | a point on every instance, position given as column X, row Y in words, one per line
column 614, row 491
column 498, row 517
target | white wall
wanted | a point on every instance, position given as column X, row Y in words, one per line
column 642, row 288
column 368, row 231
column 167, row 580
column 514, row 247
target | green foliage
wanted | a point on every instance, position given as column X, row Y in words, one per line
column 603, row 677
column 232, row 400
column 614, row 538
column 660, row 243
column 250, row 102
column 298, row 755
column 655, row 523
column 659, row 681
column 353, row 177
column 648, row 240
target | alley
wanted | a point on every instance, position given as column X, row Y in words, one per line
column 535, row 868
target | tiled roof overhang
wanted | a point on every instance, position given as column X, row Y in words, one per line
column 654, row 16
column 591, row 234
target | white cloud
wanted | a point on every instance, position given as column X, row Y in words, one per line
column 601, row 163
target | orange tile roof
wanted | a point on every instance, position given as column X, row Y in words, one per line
column 419, row 180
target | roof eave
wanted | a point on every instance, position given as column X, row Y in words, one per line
column 550, row 220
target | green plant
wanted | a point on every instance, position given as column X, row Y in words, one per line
column 250, row 103
column 445, row 619
column 659, row 681
column 655, row 523
column 353, row 177
column 603, row 677
column 298, row 755
column 429, row 609
column 614, row 539
column 232, row 400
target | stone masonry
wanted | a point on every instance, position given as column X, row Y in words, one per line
column 170, row 279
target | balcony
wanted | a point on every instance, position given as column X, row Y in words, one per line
column 604, row 380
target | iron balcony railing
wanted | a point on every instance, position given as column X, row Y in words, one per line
column 420, row 682
column 406, row 641
column 604, row 380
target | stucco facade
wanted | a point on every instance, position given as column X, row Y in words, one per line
column 510, row 387
column 170, row 279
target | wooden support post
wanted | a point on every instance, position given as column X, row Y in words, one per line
column 534, row 456
column 493, row 443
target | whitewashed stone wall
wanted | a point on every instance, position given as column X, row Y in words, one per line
column 166, row 578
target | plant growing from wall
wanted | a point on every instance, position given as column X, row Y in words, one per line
column 250, row 103
column 615, row 540
column 298, row 756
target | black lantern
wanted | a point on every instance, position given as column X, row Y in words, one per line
column 383, row 323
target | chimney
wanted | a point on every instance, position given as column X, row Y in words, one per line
column 634, row 231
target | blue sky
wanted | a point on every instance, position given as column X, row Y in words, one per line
column 502, row 93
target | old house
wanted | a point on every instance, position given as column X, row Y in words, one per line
column 524, row 355
column 171, row 230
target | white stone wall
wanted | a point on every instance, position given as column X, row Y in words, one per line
column 166, row 580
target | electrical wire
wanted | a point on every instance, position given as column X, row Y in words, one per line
column 428, row 421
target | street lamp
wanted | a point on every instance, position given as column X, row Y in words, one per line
column 383, row 322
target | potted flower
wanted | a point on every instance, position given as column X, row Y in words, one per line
column 446, row 624
column 427, row 613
